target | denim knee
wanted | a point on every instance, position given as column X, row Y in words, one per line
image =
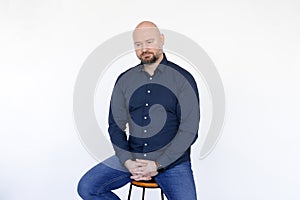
column 84, row 189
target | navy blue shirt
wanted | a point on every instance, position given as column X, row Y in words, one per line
column 160, row 113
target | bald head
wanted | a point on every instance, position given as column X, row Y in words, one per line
column 146, row 24
column 148, row 42
column 146, row 27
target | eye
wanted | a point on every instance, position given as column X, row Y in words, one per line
column 138, row 44
column 150, row 41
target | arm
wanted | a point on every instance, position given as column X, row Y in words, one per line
column 189, row 123
column 118, row 117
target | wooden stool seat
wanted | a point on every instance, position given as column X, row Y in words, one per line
column 147, row 184
column 144, row 185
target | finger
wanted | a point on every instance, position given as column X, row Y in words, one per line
column 140, row 178
column 136, row 177
column 140, row 164
column 142, row 161
column 136, row 168
column 138, row 173
column 145, row 174
column 139, row 169
column 143, row 171
column 145, row 178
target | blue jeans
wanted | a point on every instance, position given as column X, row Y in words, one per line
column 97, row 184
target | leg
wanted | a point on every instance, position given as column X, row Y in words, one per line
column 98, row 182
column 178, row 182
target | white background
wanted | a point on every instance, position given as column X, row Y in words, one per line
column 254, row 45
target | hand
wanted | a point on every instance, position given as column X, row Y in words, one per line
column 147, row 169
column 135, row 168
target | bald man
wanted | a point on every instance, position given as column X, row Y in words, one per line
column 159, row 102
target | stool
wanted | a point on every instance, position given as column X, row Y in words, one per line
column 144, row 185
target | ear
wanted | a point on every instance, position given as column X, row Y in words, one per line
column 162, row 39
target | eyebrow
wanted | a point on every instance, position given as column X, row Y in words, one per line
column 151, row 39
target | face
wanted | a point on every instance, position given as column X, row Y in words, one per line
column 148, row 44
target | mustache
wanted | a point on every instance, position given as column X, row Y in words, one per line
column 146, row 52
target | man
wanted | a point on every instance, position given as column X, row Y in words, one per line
column 159, row 102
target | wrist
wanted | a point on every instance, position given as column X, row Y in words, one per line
column 159, row 167
column 128, row 162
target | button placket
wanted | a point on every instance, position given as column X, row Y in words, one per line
column 146, row 108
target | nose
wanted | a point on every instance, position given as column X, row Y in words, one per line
column 145, row 46
column 144, row 49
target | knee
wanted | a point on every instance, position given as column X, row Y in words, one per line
column 83, row 188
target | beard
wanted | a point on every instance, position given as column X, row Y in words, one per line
column 149, row 59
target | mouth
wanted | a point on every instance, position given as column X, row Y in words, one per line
column 146, row 55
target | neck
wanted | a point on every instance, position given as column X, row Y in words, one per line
column 150, row 68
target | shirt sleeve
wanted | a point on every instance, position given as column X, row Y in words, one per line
column 189, row 124
column 118, row 118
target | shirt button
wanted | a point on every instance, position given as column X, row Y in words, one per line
column 145, row 117
column 145, row 155
column 145, row 144
column 148, row 91
column 147, row 104
column 145, row 131
column 150, row 78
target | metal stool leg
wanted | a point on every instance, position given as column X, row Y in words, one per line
column 143, row 194
column 162, row 194
column 143, row 198
column 129, row 194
